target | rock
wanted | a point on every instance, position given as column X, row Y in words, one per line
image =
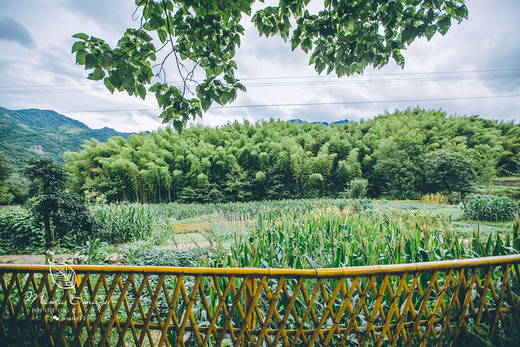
column 77, row 259
column 116, row 259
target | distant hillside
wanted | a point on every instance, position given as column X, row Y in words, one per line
column 299, row 121
column 35, row 133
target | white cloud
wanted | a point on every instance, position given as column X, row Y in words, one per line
column 44, row 76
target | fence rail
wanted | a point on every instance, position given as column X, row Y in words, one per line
column 409, row 304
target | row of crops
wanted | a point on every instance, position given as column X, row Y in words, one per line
column 333, row 238
column 312, row 233
column 290, row 233
column 298, row 234
column 131, row 222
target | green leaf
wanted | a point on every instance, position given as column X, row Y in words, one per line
column 97, row 74
column 80, row 36
column 226, row 96
column 90, row 61
column 141, row 91
column 205, row 103
column 109, row 85
column 294, row 43
column 444, row 25
column 162, row 35
column 128, row 83
column 115, row 80
column 78, row 45
column 177, row 124
column 306, row 45
column 244, row 6
column 80, row 57
column 430, row 31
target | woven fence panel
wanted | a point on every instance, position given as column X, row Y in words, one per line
column 412, row 304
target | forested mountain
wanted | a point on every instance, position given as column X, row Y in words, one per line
column 397, row 154
column 33, row 133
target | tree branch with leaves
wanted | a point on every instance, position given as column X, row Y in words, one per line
column 202, row 37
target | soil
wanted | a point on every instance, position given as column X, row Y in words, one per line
column 60, row 258
column 31, row 258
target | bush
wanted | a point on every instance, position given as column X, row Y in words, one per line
column 20, row 232
column 490, row 208
column 357, row 189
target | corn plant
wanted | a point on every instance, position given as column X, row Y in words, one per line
column 333, row 238
column 124, row 223
column 490, row 208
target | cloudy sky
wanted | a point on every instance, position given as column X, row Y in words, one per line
column 473, row 70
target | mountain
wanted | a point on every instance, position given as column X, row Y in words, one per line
column 34, row 133
column 299, row 121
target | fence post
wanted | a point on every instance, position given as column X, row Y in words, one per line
column 250, row 321
column 78, row 306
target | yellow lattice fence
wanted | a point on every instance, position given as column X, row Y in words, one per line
column 411, row 304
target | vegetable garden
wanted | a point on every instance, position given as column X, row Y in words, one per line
column 290, row 272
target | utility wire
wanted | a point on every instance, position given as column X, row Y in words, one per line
column 318, row 103
column 386, row 74
column 277, row 84
column 277, row 81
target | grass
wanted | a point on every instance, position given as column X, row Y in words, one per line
column 495, row 188
column 463, row 227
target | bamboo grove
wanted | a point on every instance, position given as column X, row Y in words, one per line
column 398, row 155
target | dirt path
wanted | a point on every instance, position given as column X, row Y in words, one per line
column 31, row 258
column 60, row 258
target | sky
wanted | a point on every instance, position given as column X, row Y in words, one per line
column 473, row 70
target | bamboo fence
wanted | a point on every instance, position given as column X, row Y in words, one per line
column 410, row 304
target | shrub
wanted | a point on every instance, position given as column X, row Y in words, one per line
column 357, row 188
column 20, row 232
column 490, row 208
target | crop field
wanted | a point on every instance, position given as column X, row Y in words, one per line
column 293, row 234
column 309, row 233
column 286, row 233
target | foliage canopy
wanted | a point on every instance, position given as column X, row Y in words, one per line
column 399, row 155
column 62, row 213
column 202, row 37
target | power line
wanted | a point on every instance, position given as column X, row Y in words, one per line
column 297, row 80
column 281, row 84
column 375, row 81
column 373, row 102
column 318, row 103
column 386, row 74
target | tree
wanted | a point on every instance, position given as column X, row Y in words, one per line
column 237, row 185
column 5, row 171
column 447, row 171
column 202, row 36
column 357, row 188
column 60, row 212
column 394, row 171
